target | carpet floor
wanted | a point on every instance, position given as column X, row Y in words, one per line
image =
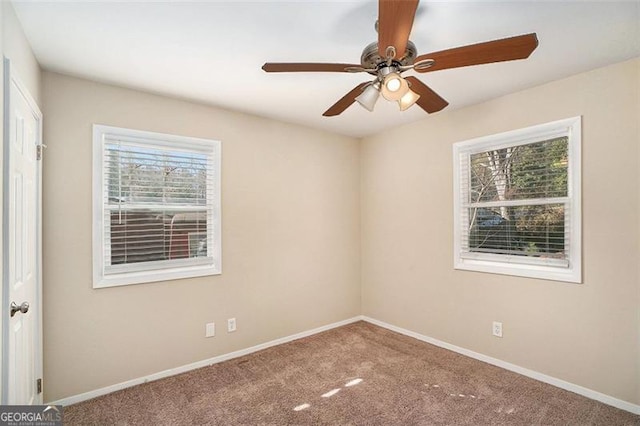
column 359, row 374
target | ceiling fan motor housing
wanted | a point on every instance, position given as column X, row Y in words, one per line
column 371, row 59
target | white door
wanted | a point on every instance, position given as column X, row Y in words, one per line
column 22, row 358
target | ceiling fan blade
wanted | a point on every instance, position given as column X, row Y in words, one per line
column 506, row 49
column 307, row 67
column 429, row 100
column 395, row 19
column 346, row 101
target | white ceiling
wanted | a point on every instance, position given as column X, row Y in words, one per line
column 212, row 51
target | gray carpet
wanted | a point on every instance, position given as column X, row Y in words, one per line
column 359, row 374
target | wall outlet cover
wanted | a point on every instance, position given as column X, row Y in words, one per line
column 231, row 325
column 497, row 329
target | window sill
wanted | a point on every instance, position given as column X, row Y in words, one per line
column 140, row 277
column 543, row 272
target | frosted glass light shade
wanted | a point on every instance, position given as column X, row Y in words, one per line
column 369, row 96
column 408, row 100
column 394, row 87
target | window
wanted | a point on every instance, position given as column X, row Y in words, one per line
column 156, row 207
column 517, row 202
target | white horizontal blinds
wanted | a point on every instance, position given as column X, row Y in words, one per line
column 158, row 205
column 515, row 202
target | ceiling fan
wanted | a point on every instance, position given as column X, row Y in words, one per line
column 394, row 54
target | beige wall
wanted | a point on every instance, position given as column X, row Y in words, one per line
column 587, row 334
column 14, row 46
column 290, row 235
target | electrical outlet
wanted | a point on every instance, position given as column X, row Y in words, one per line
column 210, row 329
column 231, row 325
column 497, row 329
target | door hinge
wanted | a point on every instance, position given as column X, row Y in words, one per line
column 39, row 385
column 39, row 150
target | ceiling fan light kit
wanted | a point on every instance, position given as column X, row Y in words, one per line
column 394, row 54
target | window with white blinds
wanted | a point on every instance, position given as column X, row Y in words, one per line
column 156, row 207
column 517, row 202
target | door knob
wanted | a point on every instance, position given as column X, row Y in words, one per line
column 15, row 308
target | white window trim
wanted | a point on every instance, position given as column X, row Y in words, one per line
column 133, row 276
column 516, row 265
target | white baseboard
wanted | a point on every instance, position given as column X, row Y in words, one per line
column 580, row 390
column 199, row 364
column 589, row 393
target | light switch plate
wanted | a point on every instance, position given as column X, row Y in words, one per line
column 210, row 329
